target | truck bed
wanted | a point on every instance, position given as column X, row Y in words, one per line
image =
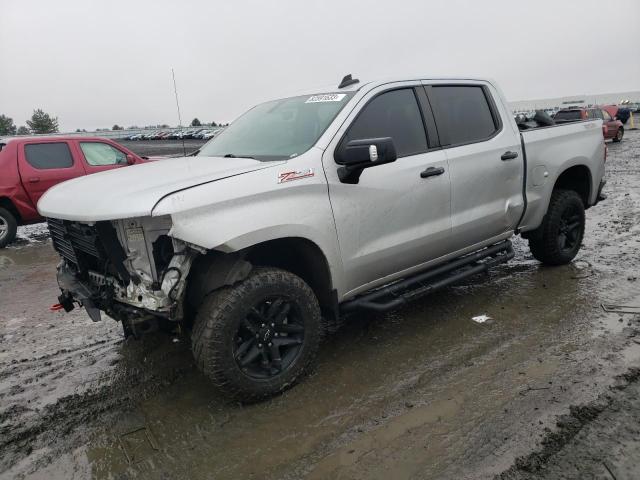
column 553, row 149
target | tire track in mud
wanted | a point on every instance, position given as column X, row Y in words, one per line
column 133, row 371
column 569, row 426
column 62, row 356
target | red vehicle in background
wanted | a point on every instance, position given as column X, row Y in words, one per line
column 29, row 166
column 618, row 113
column 611, row 127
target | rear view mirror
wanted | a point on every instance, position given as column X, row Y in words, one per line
column 357, row 155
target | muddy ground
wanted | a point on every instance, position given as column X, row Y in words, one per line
column 548, row 388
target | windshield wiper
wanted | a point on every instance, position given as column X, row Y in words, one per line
column 231, row 155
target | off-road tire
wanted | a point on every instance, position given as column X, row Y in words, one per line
column 217, row 322
column 8, row 233
column 544, row 241
column 619, row 135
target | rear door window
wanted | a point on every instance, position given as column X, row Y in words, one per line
column 100, row 154
column 392, row 114
column 46, row 156
column 463, row 114
column 568, row 115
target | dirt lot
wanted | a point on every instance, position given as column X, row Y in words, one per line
column 162, row 147
column 548, row 388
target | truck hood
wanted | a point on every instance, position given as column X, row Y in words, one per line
column 133, row 191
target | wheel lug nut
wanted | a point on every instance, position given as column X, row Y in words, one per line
column 259, row 345
column 270, row 344
column 275, row 334
column 273, row 324
column 262, row 325
column 257, row 335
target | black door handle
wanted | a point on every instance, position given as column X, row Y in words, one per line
column 509, row 156
column 431, row 172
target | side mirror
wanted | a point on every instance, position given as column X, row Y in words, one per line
column 357, row 155
column 130, row 159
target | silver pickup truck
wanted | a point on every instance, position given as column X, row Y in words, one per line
column 361, row 196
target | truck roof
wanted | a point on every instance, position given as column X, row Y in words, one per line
column 381, row 81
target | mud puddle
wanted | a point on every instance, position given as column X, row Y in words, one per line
column 422, row 392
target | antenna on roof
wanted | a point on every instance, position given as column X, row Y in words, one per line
column 347, row 80
column 175, row 90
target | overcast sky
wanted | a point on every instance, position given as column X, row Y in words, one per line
column 96, row 63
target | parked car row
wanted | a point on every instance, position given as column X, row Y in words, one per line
column 632, row 106
column 200, row 133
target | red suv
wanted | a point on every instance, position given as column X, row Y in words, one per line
column 29, row 166
column 611, row 127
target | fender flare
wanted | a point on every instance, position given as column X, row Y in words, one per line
column 213, row 271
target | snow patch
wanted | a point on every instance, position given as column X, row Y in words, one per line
column 35, row 233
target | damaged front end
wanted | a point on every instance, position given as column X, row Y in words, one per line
column 130, row 269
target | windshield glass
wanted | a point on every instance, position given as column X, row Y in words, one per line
column 278, row 129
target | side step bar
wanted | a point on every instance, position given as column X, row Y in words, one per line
column 401, row 292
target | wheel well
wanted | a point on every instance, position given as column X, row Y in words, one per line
column 8, row 205
column 578, row 179
column 303, row 258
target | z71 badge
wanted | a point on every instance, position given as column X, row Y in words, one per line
column 295, row 175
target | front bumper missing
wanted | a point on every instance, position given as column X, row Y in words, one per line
column 75, row 290
column 136, row 300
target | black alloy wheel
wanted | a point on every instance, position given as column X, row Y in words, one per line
column 269, row 338
column 570, row 228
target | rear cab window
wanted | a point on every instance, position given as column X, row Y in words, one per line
column 464, row 114
column 47, row 156
column 568, row 115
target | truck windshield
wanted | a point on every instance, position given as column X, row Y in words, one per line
column 278, row 129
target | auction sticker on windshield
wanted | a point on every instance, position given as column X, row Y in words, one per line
column 326, row 97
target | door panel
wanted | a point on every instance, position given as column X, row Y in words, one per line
column 43, row 164
column 100, row 156
column 485, row 163
column 486, row 191
column 393, row 219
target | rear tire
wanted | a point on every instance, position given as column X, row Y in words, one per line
column 8, row 227
column 258, row 337
column 619, row 135
column 558, row 240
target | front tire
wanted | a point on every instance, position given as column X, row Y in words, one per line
column 258, row 337
column 558, row 240
column 8, row 227
column 619, row 135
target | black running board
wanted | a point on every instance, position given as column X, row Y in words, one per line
column 399, row 293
